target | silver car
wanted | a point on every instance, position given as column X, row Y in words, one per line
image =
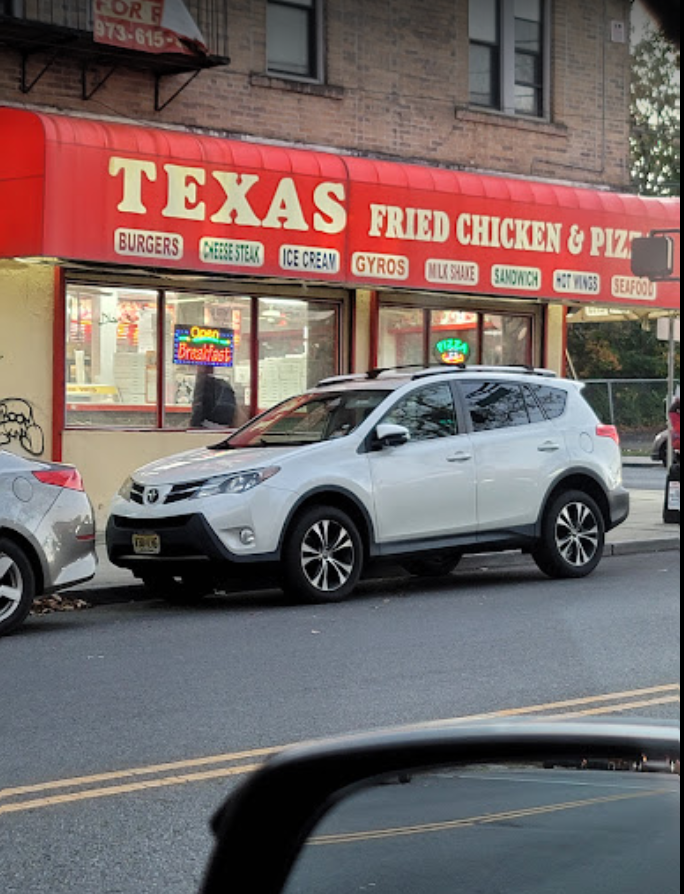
column 47, row 534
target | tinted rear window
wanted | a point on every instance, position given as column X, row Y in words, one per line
column 553, row 401
column 494, row 405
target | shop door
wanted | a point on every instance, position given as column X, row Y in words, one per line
column 425, row 489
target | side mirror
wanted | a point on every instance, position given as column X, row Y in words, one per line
column 513, row 806
column 387, row 436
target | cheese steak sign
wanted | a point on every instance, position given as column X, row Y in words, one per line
column 179, row 201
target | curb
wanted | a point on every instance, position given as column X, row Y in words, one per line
column 638, row 547
column 120, row 593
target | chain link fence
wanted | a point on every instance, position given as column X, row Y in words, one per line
column 638, row 407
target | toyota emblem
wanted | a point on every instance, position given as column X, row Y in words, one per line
column 152, row 496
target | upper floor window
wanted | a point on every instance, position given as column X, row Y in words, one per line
column 293, row 38
column 508, row 50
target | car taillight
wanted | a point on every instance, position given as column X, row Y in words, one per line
column 69, row 479
column 608, row 431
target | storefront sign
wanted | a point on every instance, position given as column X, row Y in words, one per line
column 576, row 282
column 203, row 346
column 453, row 351
column 452, row 273
column 305, row 259
column 527, row 279
column 232, row 252
column 203, row 204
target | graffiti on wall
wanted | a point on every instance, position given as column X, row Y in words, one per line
column 18, row 424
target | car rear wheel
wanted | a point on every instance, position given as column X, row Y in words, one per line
column 663, row 453
column 17, row 586
column 573, row 537
column 433, row 566
column 323, row 557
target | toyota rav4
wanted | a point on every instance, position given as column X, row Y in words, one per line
column 417, row 467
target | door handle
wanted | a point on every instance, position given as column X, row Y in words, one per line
column 549, row 447
column 460, row 458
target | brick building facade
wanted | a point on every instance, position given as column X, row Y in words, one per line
column 393, row 82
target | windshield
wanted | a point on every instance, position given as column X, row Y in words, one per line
column 309, row 419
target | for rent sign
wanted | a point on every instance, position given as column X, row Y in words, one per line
column 150, row 26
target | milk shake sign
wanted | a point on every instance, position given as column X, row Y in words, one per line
column 304, row 225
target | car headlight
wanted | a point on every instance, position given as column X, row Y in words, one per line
column 127, row 489
column 239, row 483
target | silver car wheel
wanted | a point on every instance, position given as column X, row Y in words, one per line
column 328, row 556
column 578, row 535
column 11, row 587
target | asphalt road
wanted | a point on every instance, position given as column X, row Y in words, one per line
column 123, row 727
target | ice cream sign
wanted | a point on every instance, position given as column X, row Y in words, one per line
column 203, row 346
column 453, row 351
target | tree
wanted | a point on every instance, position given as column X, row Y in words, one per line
column 656, row 116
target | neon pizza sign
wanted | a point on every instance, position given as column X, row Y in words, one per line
column 203, row 346
column 453, row 351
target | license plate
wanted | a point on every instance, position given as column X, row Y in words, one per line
column 147, row 544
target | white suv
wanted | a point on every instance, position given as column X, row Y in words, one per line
column 418, row 467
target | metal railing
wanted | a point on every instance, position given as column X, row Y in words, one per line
column 638, row 407
column 211, row 16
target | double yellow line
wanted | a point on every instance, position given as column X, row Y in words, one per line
column 470, row 821
column 225, row 766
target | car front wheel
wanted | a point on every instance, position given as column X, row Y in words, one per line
column 17, row 586
column 573, row 537
column 323, row 557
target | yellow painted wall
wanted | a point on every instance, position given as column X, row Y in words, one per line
column 555, row 338
column 107, row 458
column 26, row 358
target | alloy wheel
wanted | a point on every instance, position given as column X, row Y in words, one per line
column 11, row 587
column 578, row 534
column 328, row 556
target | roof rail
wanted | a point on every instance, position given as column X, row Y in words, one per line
column 371, row 375
column 491, row 370
column 340, row 380
column 423, row 373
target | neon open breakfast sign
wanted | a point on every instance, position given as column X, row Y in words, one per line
column 180, row 201
column 203, row 346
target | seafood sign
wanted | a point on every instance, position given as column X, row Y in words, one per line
column 18, row 424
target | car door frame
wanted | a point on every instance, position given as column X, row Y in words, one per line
column 527, row 526
column 427, row 541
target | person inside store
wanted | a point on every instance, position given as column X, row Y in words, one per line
column 214, row 403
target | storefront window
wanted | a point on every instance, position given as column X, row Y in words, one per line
column 417, row 337
column 402, row 337
column 111, row 357
column 216, row 392
column 507, row 341
column 298, row 346
column 211, row 348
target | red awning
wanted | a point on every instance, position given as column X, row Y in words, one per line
column 102, row 192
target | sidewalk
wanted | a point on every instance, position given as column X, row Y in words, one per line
column 643, row 532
